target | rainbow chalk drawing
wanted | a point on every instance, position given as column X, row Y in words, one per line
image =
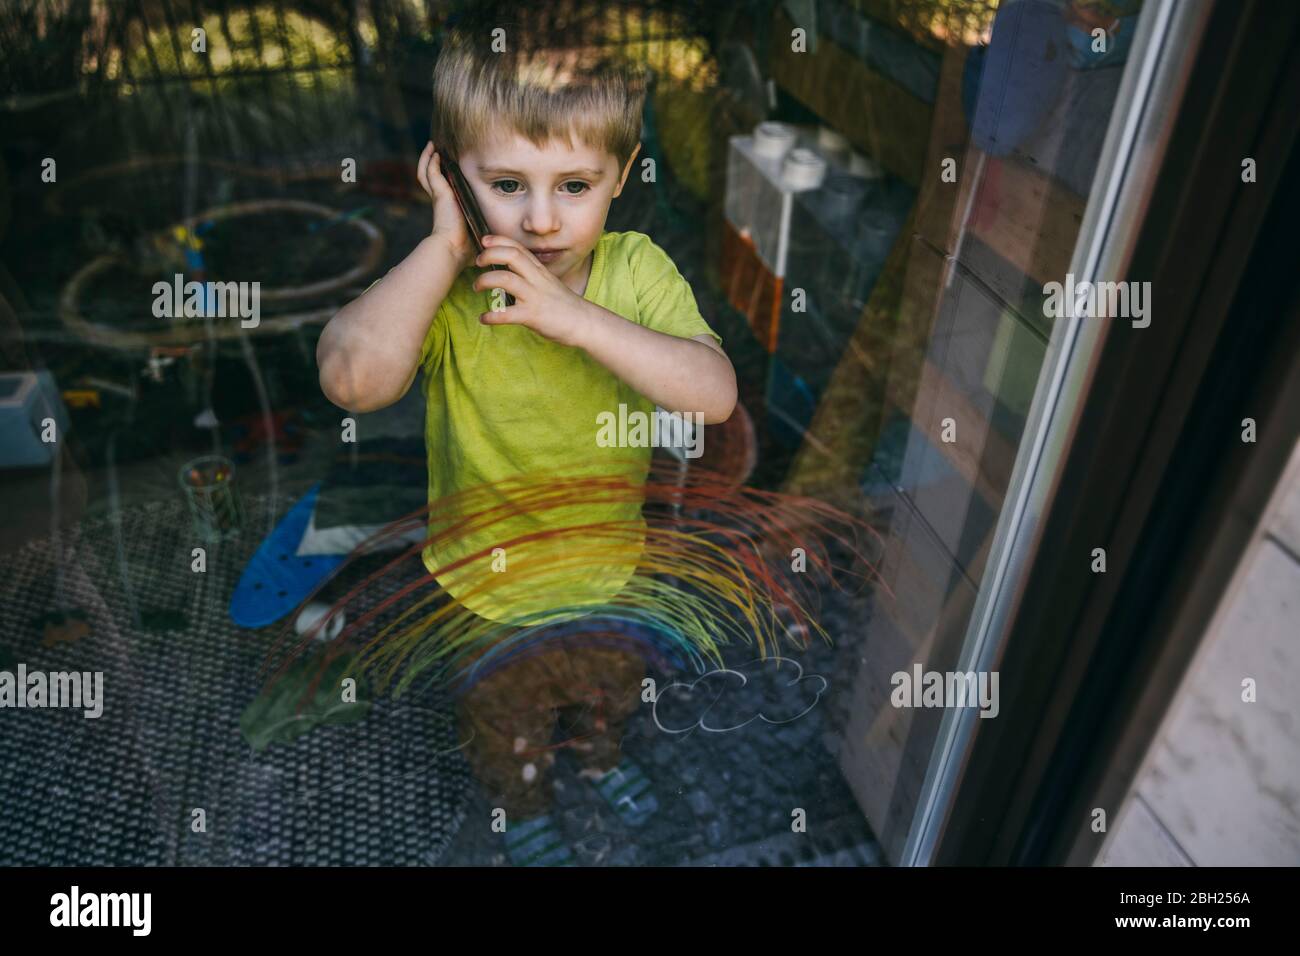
column 713, row 568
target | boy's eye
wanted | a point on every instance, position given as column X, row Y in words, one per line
column 511, row 186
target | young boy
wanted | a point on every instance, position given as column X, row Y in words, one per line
column 599, row 319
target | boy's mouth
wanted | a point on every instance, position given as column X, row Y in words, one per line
column 547, row 255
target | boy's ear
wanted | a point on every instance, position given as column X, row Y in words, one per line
column 627, row 169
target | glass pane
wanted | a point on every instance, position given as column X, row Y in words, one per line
column 924, row 410
column 864, row 199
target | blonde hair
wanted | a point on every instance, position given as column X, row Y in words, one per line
column 543, row 95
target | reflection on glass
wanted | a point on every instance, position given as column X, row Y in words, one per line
column 867, row 216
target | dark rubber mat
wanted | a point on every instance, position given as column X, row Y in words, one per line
column 125, row 788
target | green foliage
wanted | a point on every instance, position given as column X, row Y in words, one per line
column 45, row 44
column 287, row 709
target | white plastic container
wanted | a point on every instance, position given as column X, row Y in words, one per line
column 27, row 399
column 833, row 145
column 864, row 167
column 760, row 186
column 772, row 140
column 802, row 169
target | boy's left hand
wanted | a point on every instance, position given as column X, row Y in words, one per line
column 542, row 301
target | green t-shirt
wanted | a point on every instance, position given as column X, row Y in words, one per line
column 506, row 404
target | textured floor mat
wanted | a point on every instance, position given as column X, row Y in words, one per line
column 126, row 788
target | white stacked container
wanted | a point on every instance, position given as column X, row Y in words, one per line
column 764, row 171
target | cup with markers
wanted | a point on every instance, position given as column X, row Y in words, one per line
column 213, row 497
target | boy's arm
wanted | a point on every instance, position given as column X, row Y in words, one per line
column 681, row 375
column 369, row 352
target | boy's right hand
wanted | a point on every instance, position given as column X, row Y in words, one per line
column 448, row 223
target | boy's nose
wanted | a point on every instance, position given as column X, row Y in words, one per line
column 541, row 218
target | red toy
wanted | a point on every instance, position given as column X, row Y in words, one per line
column 250, row 435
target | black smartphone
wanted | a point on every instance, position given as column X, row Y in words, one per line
column 474, row 221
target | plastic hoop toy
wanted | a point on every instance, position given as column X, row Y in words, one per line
column 198, row 331
column 54, row 201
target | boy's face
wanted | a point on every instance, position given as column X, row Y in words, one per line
column 551, row 198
